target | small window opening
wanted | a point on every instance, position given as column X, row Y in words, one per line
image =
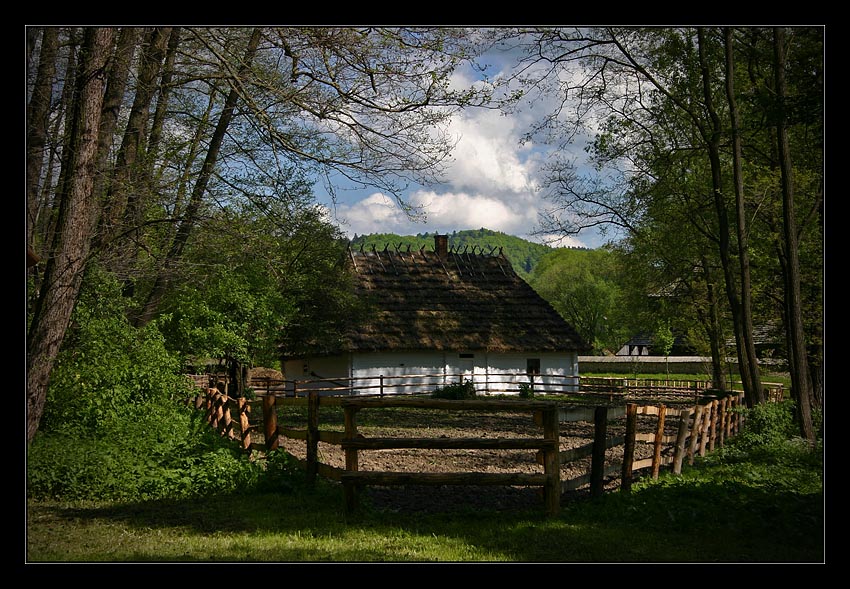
column 532, row 366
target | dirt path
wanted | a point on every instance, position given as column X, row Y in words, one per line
column 418, row 498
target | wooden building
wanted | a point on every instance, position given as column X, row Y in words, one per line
column 457, row 315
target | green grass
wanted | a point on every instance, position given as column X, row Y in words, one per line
column 748, row 511
column 760, row 499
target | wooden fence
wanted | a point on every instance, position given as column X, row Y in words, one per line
column 701, row 427
column 488, row 384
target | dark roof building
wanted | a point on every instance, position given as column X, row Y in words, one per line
column 450, row 300
column 445, row 310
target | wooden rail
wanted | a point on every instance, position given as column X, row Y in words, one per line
column 702, row 427
column 487, row 383
column 229, row 417
column 352, row 478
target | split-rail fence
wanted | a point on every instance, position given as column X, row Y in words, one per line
column 703, row 424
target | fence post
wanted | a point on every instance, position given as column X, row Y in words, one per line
column 381, row 389
column 715, row 408
column 552, row 461
column 350, row 488
column 629, row 449
column 704, row 428
column 216, row 412
column 209, row 404
column 695, row 431
column 244, row 423
column 597, row 460
column 227, row 423
column 659, row 439
column 684, row 418
column 312, row 436
column 270, row 423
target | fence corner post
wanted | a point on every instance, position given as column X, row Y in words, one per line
column 629, row 449
column 597, row 461
column 270, row 422
column 552, row 461
column 312, row 436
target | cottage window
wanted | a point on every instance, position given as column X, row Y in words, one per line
column 466, row 355
column 532, row 366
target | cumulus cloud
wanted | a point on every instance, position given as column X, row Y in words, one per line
column 492, row 182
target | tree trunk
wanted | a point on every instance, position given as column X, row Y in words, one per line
column 120, row 210
column 237, row 377
column 752, row 397
column 162, row 99
column 189, row 219
column 38, row 112
column 715, row 332
column 741, row 224
column 799, row 366
column 64, row 121
column 65, row 267
column 116, row 85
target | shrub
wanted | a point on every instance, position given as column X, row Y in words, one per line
column 458, row 391
column 526, row 391
column 770, row 434
column 107, row 369
column 168, row 452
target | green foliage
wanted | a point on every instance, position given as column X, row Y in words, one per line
column 583, row 287
column 114, row 427
column 770, row 434
column 107, row 369
column 457, row 391
column 521, row 253
column 526, row 391
column 164, row 452
column 662, row 339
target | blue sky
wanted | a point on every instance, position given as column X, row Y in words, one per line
column 494, row 181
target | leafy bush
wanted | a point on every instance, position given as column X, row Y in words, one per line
column 107, row 369
column 457, row 391
column 769, row 433
column 113, row 427
column 526, row 391
column 166, row 453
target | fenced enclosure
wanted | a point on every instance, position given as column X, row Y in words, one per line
column 618, row 447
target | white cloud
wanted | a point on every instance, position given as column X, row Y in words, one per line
column 492, row 182
column 487, row 156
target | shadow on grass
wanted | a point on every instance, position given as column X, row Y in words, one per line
column 676, row 522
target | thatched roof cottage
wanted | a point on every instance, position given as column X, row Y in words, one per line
column 448, row 314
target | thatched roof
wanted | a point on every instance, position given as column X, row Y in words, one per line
column 459, row 301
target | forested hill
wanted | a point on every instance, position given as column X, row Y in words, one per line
column 522, row 254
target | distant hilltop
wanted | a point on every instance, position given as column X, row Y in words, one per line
column 522, row 254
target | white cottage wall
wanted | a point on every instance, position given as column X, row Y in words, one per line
column 424, row 368
column 395, row 372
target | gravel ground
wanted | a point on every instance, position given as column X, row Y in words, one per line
column 451, row 498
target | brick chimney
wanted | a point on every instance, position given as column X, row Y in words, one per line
column 441, row 245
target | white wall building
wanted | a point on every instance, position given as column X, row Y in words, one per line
column 441, row 317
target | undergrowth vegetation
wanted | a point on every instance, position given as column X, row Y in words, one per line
column 117, row 468
column 114, row 427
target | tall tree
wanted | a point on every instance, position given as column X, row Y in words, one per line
column 78, row 209
column 800, row 382
column 38, row 122
column 213, row 118
column 190, row 216
column 739, row 299
column 651, row 94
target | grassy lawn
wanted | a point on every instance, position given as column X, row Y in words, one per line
column 756, row 505
column 752, row 513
